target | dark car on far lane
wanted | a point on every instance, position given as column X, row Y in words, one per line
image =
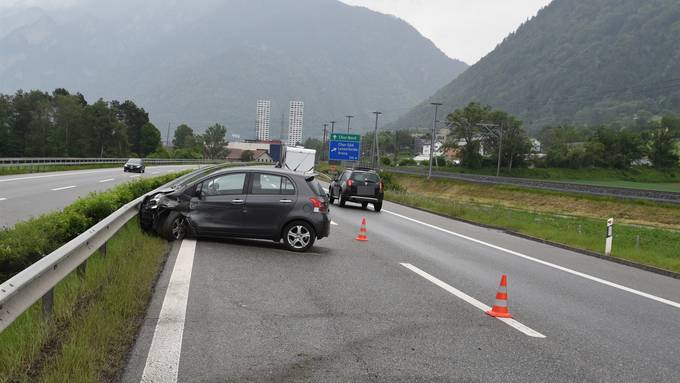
column 361, row 185
column 258, row 203
column 134, row 165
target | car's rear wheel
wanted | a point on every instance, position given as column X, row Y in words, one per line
column 299, row 236
column 377, row 206
column 174, row 227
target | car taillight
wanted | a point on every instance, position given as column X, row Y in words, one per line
column 381, row 186
column 349, row 183
column 318, row 205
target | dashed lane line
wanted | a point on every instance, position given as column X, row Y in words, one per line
column 106, row 180
column 3, row 199
column 542, row 262
column 64, row 188
column 334, row 223
column 474, row 302
column 135, row 176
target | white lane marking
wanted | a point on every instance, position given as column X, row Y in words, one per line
column 155, row 172
column 71, row 173
column 64, row 188
column 542, row 262
column 3, row 199
column 162, row 363
column 106, row 180
column 136, row 176
column 334, row 223
column 509, row 321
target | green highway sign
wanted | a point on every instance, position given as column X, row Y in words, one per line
column 345, row 137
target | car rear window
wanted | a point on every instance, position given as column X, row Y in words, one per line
column 316, row 187
column 365, row 177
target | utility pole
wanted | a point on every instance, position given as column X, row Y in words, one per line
column 167, row 137
column 376, row 152
column 500, row 142
column 349, row 118
column 434, row 128
column 332, row 127
column 323, row 150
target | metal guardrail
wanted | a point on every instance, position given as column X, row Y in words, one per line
column 45, row 161
column 38, row 280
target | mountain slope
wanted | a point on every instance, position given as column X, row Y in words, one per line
column 211, row 63
column 577, row 61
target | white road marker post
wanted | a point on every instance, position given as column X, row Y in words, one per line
column 609, row 237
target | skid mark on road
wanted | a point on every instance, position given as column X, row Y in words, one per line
column 474, row 302
column 162, row 363
column 542, row 262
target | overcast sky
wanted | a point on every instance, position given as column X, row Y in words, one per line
column 463, row 29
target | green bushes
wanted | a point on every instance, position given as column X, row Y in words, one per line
column 31, row 240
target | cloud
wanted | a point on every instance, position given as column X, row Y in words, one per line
column 463, row 29
column 48, row 4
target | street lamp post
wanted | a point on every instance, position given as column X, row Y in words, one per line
column 349, row 118
column 332, row 127
column 434, row 128
column 376, row 152
column 323, row 150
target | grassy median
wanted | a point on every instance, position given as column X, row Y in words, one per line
column 646, row 232
column 95, row 320
column 97, row 314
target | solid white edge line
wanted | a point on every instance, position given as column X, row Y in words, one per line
column 332, row 222
column 162, row 362
column 474, row 302
column 64, row 188
column 545, row 263
column 3, row 199
column 106, row 180
column 135, row 176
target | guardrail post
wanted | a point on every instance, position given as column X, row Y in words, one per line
column 48, row 305
column 82, row 269
column 103, row 249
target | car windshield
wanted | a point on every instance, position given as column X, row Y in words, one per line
column 365, row 177
column 134, row 161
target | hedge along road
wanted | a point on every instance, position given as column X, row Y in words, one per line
column 658, row 196
column 28, row 195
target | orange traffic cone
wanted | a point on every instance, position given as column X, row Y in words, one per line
column 500, row 308
column 362, row 232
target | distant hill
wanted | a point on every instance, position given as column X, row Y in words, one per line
column 209, row 61
column 577, row 61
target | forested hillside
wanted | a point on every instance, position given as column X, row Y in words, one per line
column 577, row 62
column 207, row 61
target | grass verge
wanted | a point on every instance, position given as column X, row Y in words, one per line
column 96, row 317
column 644, row 178
column 574, row 221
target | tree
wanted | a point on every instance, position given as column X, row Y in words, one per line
column 465, row 123
column 134, row 119
column 661, row 142
column 214, row 142
column 184, row 137
column 149, row 139
column 247, row 155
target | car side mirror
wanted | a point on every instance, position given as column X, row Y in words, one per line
column 199, row 193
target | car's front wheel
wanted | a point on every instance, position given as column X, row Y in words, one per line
column 174, row 227
column 378, row 205
column 299, row 236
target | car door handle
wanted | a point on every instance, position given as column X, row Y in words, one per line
column 285, row 201
column 237, row 201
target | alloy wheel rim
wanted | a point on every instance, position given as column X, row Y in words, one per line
column 298, row 237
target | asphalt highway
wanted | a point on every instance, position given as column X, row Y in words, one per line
column 406, row 306
column 24, row 196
